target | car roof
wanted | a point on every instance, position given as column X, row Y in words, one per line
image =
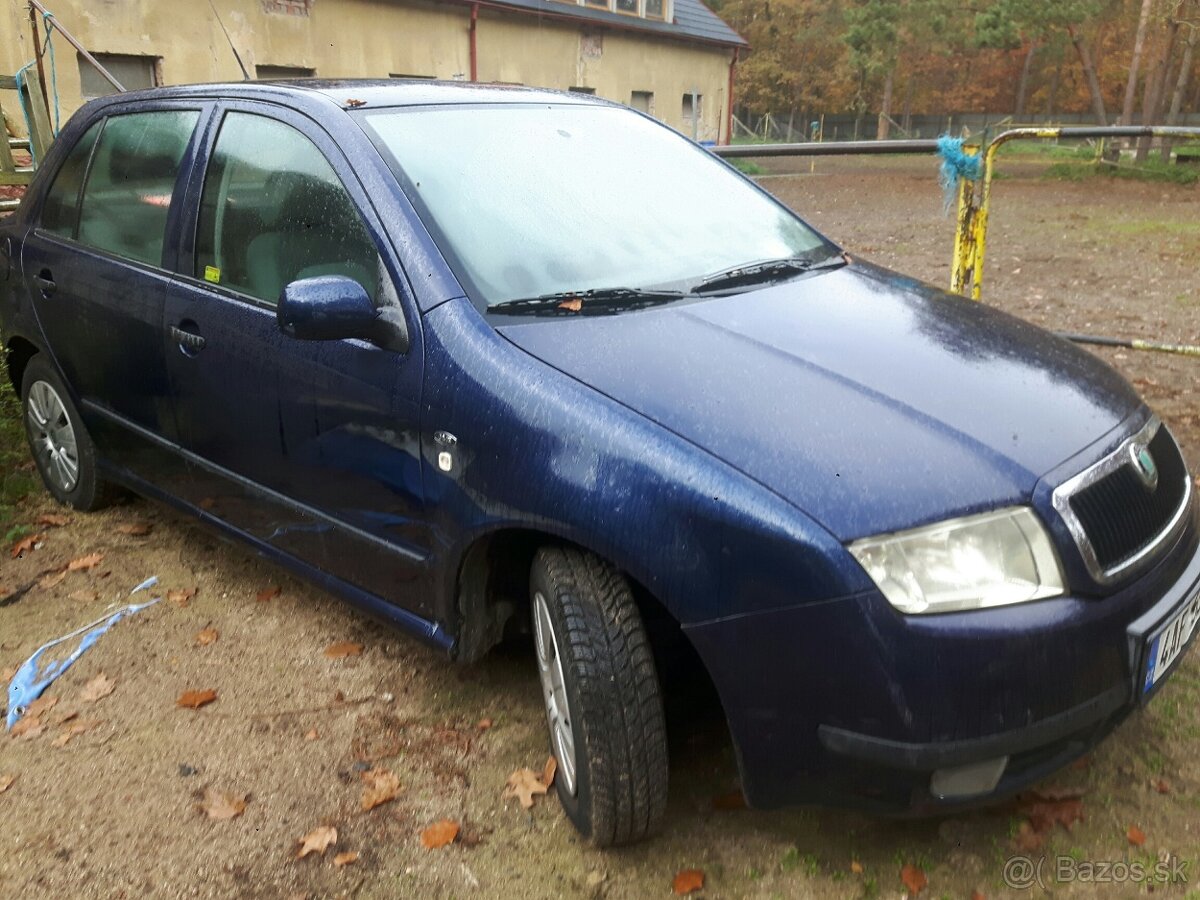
column 351, row 93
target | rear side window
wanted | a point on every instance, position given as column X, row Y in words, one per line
column 274, row 211
column 132, row 178
column 60, row 210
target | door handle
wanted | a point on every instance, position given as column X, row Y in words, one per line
column 45, row 282
column 188, row 340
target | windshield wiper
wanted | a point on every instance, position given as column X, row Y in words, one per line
column 765, row 271
column 594, row 300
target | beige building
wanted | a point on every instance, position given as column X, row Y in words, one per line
column 671, row 58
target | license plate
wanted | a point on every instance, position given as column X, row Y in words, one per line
column 1165, row 648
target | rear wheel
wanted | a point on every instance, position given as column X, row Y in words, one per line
column 62, row 449
column 602, row 698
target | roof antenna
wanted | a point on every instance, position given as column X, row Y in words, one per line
column 236, row 55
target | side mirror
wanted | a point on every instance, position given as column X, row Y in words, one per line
column 327, row 308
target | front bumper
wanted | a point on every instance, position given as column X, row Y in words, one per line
column 848, row 703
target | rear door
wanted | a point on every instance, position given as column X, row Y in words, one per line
column 97, row 265
column 310, row 446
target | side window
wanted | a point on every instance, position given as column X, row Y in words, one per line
column 60, row 209
column 273, row 211
column 129, row 186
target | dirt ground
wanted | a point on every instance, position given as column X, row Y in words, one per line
column 115, row 812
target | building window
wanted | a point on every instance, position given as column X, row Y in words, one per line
column 691, row 107
column 643, row 101
column 134, row 73
column 648, row 9
column 582, row 90
column 279, row 73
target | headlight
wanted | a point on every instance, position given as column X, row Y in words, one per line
column 992, row 559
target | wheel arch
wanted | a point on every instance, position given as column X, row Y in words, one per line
column 18, row 352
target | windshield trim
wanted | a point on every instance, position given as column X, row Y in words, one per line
column 445, row 246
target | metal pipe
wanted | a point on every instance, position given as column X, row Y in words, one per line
column 833, row 148
column 474, row 47
column 1131, row 343
column 729, row 99
column 52, row 22
column 37, row 55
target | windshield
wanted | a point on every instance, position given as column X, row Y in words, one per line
column 536, row 200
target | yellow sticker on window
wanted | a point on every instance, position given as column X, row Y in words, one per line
column 213, row 274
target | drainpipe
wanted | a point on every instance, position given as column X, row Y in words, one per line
column 474, row 46
column 729, row 99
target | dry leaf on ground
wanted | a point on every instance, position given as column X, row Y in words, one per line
column 338, row 649
column 180, row 596
column 382, row 785
column 317, row 841
column 53, row 578
column 914, row 879
column 978, row 895
column 268, row 593
column 26, row 544
column 196, row 699
column 8, row 673
column 1028, row 840
column 135, row 529
column 524, row 784
column 84, row 596
column 312, row 734
column 83, row 563
column 53, row 520
column 97, row 689
column 76, row 728
column 6, row 781
column 484, row 724
column 27, row 727
column 548, row 772
column 856, row 867
column 222, row 805
column 41, row 705
column 1136, row 836
column 439, row 834
column 344, row 859
column 688, row 881
column 1161, row 785
column 207, row 636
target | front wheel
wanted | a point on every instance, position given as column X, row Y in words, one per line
column 602, row 697
column 62, row 449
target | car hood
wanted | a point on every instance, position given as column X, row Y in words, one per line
column 870, row 401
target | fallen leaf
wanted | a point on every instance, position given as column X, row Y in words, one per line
column 524, row 784
column 439, row 834
column 53, row 578
column 344, row 859
column 382, row 786
column 66, row 715
column 484, row 724
column 312, row 734
column 53, row 520
column 6, row 781
column 730, row 800
column 1028, row 840
column 269, row 593
column 135, row 529
column 688, row 881
column 84, row 596
column 1047, row 807
column 74, row 730
column 914, row 879
column 574, row 304
column 978, row 895
column 27, row 727
column 26, row 544
column 1136, row 836
column 207, row 636
column 83, row 563
column 354, row 104
column 8, row 673
column 97, row 689
column 196, row 699
column 180, row 596
column 1161, row 785
column 222, row 805
column 317, row 841
column 856, row 867
column 340, row 649
column 41, row 705
column 548, row 771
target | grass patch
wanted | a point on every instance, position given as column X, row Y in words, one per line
column 1152, row 170
column 1046, row 150
column 16, row 479
column 747, row 166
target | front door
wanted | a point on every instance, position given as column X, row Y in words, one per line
column 311, row 447
column 97, row 267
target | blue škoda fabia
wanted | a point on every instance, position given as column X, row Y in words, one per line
column 488, row 360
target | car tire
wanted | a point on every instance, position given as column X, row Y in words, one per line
column 602, row 697
column 61, row 446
